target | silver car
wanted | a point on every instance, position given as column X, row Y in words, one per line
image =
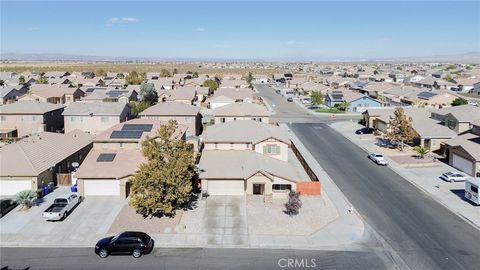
column 378, row 158
column 453, row 177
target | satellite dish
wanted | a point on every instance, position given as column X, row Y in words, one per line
column 75, row 164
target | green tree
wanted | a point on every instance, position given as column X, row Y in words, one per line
column 448, row 78
column 100, row 72
column 459, row 101
column 421, row 151
column 25, row 198
column 342, row 106
column 138, row 106
column 148, row 92
column 175, row 71
column 317, row 98
column 212, row 84
column 249, row 78
column 120, row 76
column 436, row 85
column 21, row 80
column 134, row 78
column 400, row 128
column 195, row 74
column 165, row 73
column 41, row 80
column 163, row 183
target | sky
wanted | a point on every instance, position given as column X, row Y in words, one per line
column 241, row 30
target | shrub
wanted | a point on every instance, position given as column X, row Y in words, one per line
column 293, row 205
column 25, row 198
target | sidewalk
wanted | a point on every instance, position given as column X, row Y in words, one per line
column 425, row 178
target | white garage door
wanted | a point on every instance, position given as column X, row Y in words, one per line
column 12, row 187
column 101, row 187
column 462, row 164
column 226, row 187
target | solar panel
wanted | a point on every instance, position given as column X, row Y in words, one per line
column 126, row 134
column 141, row 127
column 116, row 93
column 106, row 157
column 426, row 95
column 89, row 90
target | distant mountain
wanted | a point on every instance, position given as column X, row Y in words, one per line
column 470, row 57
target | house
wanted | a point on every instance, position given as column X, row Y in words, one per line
column 362, row 103
column 458, row 118
column 241, row 111
column 467, row 85
column 226, row 83
column 184, row 114
column 94, row 117
column 103, row 94
column 33, row 162
column 224, row 96
column 431, row 132
column 433, row 83
column 333, row 98
column 247, row 157
column 463, row 152
column 56, row 74
column 116, row 156
column 9, row 94
column 29, row 117
column 187, row 95
column 163, row 83
column 57, row 94
column 376, row 89
column 434, row 99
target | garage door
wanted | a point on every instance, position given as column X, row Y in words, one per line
column 102, row 187
column 462, row 164
column 226, row 187
column 12, row 187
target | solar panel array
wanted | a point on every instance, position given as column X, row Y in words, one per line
column 142, row 127
column 126, row 134
column 426, row 95
column 106, row 157
column 116, row 93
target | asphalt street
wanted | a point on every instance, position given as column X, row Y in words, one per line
column 183, row 259
column 421, row 231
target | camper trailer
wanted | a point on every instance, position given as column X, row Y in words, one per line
column 471, row 190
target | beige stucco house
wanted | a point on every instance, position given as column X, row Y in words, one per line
column 29, row 117
column 94, row 117
column 184, row 114
column 116, row 156
column 458, row 118
column 57, row 93
column 34, row 162
column 241, row 111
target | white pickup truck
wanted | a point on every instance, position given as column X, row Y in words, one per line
column 61, row 207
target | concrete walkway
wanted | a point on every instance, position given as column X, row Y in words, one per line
column 425, row 178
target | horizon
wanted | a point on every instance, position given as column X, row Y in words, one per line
column 240, row 30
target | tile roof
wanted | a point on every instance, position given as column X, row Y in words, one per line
column 37, row 153
column 95, row 108
column 241, row 109
column 171, row 108
column 244, row 131
column 29, row 107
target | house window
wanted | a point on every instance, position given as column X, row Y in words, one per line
column 271, row 149
column 3, row 118
column 259, row 119
column 222, row 120
column 216, row 145
column 34, row 118
column 72, row 118
column 281, row 187
column 105, row 119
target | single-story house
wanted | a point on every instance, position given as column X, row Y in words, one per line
column 33, row 162
column 241, row 111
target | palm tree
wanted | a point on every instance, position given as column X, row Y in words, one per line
column 25, row 198
column 421, row 151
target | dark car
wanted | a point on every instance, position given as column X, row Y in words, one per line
column 6, row 205
column 365, row 131
column 135, row 243
column 314, row 107
column 290, row 99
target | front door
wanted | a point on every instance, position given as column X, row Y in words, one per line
column 258, row 189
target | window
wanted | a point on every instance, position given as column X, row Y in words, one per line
column 3, row 118
column 222, row 120
column 34, row 118
column 474, row 189
column 72, row 118
column 105, row 119
column 259, row 119
column 216, row 145
column 271, row 149
column 281, row 187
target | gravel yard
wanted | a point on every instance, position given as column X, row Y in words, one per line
column 269, row 218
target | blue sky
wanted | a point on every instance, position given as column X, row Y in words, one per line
column 257, row 30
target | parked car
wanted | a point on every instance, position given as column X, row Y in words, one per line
column 290, row 99
column 314, row 107
column 365, row 130
column 6, row 205
column 453, row 177
column 135, row 243
column 378, row 158
column 278, row 91
column 306, row 100
column 61, row 207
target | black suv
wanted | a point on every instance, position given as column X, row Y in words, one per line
column 6, row 205
column 365, row 131
column 135, row 243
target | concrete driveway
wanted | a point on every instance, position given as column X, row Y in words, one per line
column 88, row 222
column 225, row 221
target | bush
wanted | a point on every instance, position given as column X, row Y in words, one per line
column 25, row 198
column 293, row 205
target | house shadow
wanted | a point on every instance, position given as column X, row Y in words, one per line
column 461, row 194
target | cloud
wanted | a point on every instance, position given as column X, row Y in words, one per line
column 200, row 29
column 293, row 42
column 124, row 20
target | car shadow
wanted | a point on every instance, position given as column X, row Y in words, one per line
column 461, row 194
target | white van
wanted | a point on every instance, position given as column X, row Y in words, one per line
column 471, row 190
